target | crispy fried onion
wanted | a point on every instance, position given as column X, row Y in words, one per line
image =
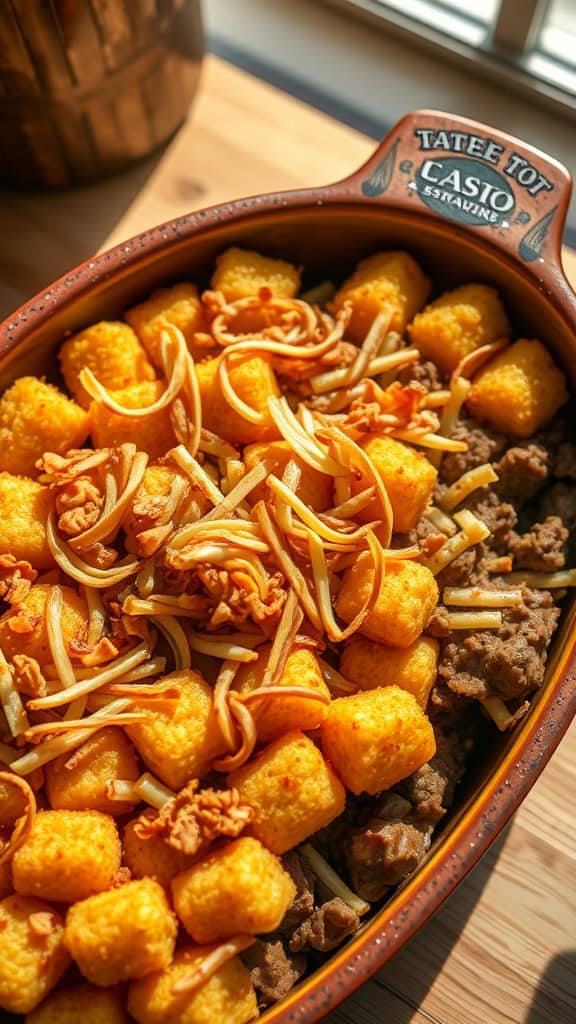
column 398, row 407
column 16, row 578
column 293, row 322
column 370, row 348
column 213, row 961
column 195, row 818
column 22, row 826
column 83, row 572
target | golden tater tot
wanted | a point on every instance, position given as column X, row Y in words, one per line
column 239, row 889
column 408, row 477
column 457, row 323
column 376, row 738
column 35, row 418
column 240, row 273
column 80, row 780
column 112, row 351
column 178, row 745
column 83, row 1004
column 152, row 434
column 519, row 390
column 23, row 628
column 408, row 596
column 386, row 281
column 226, row 998
column 179, row 305
column 314, row 489
column 33, row 956
column 292, row 790
column 276, row 715
column 371, row 665
column 67, row 856
column 122, row 934
column 254, row 381
column 152, row 857
column 24, row 509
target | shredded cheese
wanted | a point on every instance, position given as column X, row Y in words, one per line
column 480, row 476
column 477, row 597
column 474, row 620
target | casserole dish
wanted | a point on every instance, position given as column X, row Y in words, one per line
column 471, row 204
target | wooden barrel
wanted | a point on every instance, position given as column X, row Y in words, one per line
column 87, row 87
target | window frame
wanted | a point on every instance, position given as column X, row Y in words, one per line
column 505, row 55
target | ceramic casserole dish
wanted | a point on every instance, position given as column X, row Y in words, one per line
column 469, row 203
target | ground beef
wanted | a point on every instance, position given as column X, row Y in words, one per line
column 522, row 471
column 559, row 500
column 438, row 624
column 458, row 573
column 499, row 516
column 423, row 372
column 542, row 548
column 565, row 461
column 326, row 928
column 508, row 663
column 304, row 880
column 273, row 970
column 484, row 445
column 430, row 789
column 384, row 853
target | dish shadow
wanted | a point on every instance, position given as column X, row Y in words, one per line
column 428, row 949
column 554, row 1001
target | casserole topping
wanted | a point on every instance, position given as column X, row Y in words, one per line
column 273, row 570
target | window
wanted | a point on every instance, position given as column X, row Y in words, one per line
column 531, row 44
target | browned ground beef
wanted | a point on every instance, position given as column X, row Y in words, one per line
column 325, row 928
column 459, row 572
column 542, row 548
column 484, row 445
column 383, row 853
column 423, row 372
column 499, row 516
column 565, row 461
column 273, row 969
column 523, row 471
column 304, row 880
column 559, row 500
column 508, row 663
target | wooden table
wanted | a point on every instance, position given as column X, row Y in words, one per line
column 503, row 949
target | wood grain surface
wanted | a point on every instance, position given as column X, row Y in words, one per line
column 503, row 949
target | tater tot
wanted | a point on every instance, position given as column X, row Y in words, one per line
column 386, row 281
column 292, row 791
column 314, row 488
column 67, row 856
column 111, row 350
column 226, row 998
column 33, row 956
column 275, row 715
column 376, row 738
column 80, row 781
column 35, row 418
column 83, row 1004
column 408, row 477
column 457, row 323
column 408, row 596
column 371, row 665
column 152, row 857
column 178, row 305
column 152, row 434
column 519, row 390
column 178, row 745
column 24, row 509
column 23, row 628
column 122, row 934
column 240, row 273
column 254, row 381
column 239, row 889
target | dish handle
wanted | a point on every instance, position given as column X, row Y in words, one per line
column 478, row 178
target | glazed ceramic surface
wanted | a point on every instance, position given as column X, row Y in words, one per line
column 470, row 204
